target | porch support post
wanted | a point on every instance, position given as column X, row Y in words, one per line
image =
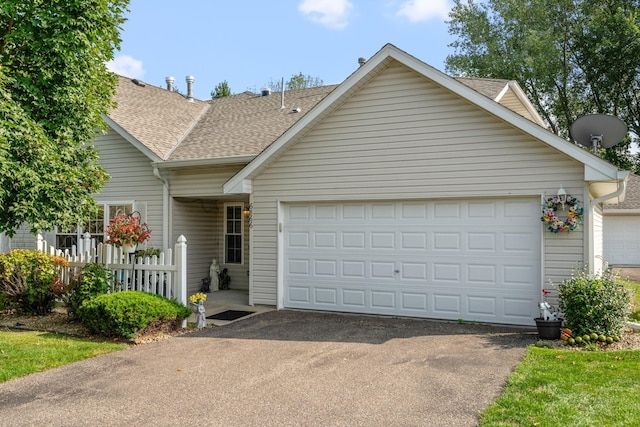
column 180, row 283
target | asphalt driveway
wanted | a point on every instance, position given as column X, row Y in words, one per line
column 281, row 368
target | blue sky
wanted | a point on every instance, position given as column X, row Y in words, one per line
column 251, row 43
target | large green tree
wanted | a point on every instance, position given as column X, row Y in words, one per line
column 571, row 57
column 54, row 88
column 297, row 81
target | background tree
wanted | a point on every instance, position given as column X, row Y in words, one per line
column 54, row 87
column 297, row 81
column 222, row 89
column 571, row 57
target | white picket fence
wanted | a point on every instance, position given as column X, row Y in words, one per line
column 164, row 275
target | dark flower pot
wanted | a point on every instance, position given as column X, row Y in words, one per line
column 548, row 329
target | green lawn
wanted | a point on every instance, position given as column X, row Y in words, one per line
column 570, row 388
column 25, row 352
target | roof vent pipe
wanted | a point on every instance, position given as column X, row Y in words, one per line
column 282, row 95
column 265, row 91
column 190, row 80
column 170, row 80
column 361, row 61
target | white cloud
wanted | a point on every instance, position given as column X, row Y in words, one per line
column 423, row 10
column 127, row 66
column 330, row 13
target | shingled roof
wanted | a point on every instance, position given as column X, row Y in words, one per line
column 156, row 117
column 631, row 199
column 239, row 125
column 246, row 123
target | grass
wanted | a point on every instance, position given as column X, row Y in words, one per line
column 570, row 388
column 26, row 352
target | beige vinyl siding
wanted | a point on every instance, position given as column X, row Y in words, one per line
column 512, row 102
column 403, row 137
column 196, row 220
column 201, row 182
column 132, row 180
column 201, row 222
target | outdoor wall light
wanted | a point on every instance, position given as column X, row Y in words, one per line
column 562, row 196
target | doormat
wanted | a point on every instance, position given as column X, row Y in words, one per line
column 230, row 315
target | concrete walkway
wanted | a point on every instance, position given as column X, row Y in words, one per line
column 281, row 368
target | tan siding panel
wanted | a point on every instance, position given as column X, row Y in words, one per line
column 201, row 182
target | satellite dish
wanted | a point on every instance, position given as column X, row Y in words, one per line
column 596, row 130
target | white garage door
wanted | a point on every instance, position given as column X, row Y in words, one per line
column 622, row 239
column 473, row 260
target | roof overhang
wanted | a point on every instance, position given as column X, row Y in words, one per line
column 193, row 163
column 133, row 141
column 596, row 169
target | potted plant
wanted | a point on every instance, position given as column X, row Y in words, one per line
column 549, row 322
column 127, row 231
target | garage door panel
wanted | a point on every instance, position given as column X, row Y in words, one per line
column 622, row 239
column 445, row 260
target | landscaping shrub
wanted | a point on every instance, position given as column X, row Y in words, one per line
column 124, row 314
column 30, row 280
column 595, row 303
column 93, row 280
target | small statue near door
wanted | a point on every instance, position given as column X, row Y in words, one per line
column 225, row 279
column 214, row 274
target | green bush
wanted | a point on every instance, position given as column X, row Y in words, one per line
column 30, row 280
column 93, row 280
column 595, row 303
column 125, row 314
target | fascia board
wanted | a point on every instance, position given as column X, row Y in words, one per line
column 515, row 87
column 133, row 141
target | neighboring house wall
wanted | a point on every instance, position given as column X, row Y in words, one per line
column 132, row 180
column 403, row 137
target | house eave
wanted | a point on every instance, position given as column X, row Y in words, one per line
column 131, row 139
column 216, row 161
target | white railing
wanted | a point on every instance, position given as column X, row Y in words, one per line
column 164, row 275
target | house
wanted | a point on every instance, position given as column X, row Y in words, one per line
column 401, row 191
column 622, row 228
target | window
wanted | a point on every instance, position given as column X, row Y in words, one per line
column 96, row 225
column 233, row 234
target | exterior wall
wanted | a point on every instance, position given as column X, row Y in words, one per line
column 132, row 180
column 201, row 182
column 403, row 137
column 201, row 222
column 512, row 102
column 22, row 239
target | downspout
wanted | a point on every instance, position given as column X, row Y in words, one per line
column 622, row 184
column 165, row 207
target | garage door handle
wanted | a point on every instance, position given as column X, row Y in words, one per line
column 396, row 271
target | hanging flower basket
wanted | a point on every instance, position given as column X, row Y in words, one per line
column 127, row 231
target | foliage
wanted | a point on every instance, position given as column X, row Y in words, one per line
column 594, row 303
column 127, row 230
column 569, row 388
column 30, row 280
column 54, row 88
column 148, row 252
column 571, row 57
column 26, row 352
column 124, row 314
column 221, row 90
column 297, row 81
column 93, row 280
